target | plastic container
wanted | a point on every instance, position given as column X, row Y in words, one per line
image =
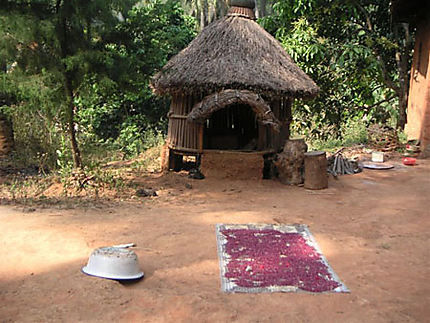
column 113, row 263
column 378, row 157
column 409, row 161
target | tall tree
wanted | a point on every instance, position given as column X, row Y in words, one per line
column 206, row 11
column 62, row 38
column 353, row 52
column 6, row 134
column 261, row 8
column 82, row 69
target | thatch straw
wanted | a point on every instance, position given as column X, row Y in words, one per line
column 236, row 53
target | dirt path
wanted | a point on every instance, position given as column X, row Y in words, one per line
column 373, row 228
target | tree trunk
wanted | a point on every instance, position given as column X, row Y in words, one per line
column 403, row 104
column 6, row 136
column 221, row 8
column 402, row 59
column 316, row 170
column 289, row 163
column 261, row 8
column 203, row 13
column 212, row 16
column 70, row 122
column 63, row 8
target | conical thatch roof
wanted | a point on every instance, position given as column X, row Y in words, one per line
column 236, row 53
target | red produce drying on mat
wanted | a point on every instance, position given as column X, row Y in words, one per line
column 268, row 258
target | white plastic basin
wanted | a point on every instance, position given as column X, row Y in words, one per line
column 113, row 263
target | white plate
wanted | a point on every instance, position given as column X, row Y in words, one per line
column 380, row 166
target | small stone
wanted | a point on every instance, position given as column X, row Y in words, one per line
column 142, row 192
column 196, row 174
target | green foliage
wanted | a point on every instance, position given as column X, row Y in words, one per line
column 348, row 49
column 130, row 139
column 353, row 132
column 19, row 188
column 98, row 55
column 123, row 108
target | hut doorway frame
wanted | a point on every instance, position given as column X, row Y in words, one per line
column 225, row 106
column 220, row 100
column 234, row 127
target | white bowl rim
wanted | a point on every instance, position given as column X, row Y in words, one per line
column 88, row 271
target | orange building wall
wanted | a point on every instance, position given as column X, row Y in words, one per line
column 418, row 126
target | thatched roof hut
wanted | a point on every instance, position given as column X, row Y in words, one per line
column 232, row 86
column 237, row 53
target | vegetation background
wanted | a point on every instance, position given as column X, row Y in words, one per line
column 74, row 75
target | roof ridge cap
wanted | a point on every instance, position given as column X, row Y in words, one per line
column 241, row 12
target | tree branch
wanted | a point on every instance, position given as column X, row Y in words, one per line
column 366, row 14
column 57, row 6
column 387, row 80
column 380, row 102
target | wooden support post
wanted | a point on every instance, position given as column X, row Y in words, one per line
column 316, row 170
column 175, row 161
column 165, row 159
column 200, row 140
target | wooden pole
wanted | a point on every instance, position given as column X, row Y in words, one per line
column 200, row 141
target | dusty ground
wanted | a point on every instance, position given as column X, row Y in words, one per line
column 373, row 228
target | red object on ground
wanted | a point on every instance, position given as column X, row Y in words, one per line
column 409, row 161
column 263, row 258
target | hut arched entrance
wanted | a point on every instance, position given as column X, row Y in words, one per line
column 235, row 127
column 232, row 119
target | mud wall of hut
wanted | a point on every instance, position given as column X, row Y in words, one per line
column 418, row 126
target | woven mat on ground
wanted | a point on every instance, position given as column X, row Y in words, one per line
column 257, row 258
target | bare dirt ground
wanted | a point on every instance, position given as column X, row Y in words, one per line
column 373, row 229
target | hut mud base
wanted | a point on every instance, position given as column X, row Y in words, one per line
column 232, row 165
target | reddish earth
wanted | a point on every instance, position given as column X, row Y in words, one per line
column 372, row 227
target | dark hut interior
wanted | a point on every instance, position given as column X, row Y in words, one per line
column 234, row 128
column 232, row 89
